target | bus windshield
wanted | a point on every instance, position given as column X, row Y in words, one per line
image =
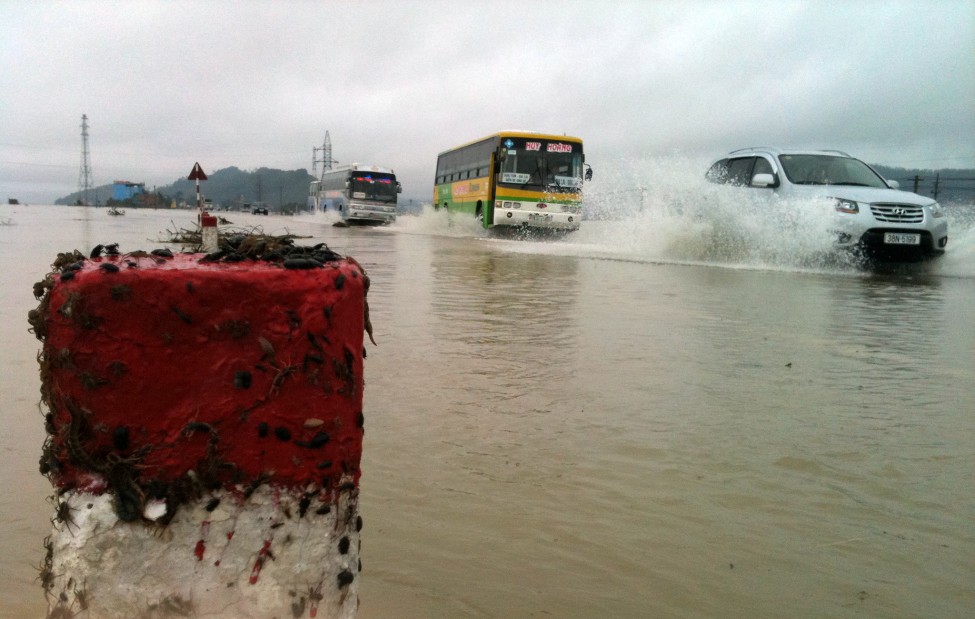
column 562, row 171
column 372, row 186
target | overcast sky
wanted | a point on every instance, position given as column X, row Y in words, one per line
column 257, row 83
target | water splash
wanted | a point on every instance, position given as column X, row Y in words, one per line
column 661, row 209
column 438, row 222
column 959, row 260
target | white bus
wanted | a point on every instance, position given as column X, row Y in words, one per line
column 360, row 194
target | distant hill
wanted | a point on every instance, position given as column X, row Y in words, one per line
column 230, row 187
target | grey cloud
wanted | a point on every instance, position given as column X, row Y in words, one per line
column 258, row 83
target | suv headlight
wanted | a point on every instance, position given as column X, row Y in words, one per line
column 847, row 206
column 937, row 210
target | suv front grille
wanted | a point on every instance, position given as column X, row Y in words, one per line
column 898, row 213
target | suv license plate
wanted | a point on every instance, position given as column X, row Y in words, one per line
column 899, row 238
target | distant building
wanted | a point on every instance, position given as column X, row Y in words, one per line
column 124, row 190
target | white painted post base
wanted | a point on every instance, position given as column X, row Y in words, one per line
column 277, row 553
column 210, row 240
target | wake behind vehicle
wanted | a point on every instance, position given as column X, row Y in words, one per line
column 360, row 194
column 514, row 179
column 873, row 217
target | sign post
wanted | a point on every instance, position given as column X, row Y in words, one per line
column 208, row 223
column 197, row 174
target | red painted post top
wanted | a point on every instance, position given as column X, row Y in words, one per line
column 208, row 221
column 172, row 374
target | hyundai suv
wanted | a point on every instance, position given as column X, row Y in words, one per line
column 873, row 217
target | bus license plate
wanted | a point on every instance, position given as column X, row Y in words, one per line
column 539, row 217
column 900, row 238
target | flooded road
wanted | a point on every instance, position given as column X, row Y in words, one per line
column 607, row 426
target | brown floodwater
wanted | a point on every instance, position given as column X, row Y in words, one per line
column 584, row 427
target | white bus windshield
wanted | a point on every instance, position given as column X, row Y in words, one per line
column 372, row 186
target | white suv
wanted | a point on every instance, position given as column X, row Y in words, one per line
column 873, row 216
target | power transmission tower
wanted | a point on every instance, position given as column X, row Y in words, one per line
column 85, row 178
column 326, row 159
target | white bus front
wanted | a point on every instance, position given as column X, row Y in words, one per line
column 360, row 194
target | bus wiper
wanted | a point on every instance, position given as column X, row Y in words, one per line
column 538, row 170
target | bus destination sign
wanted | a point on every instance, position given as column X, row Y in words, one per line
column 539, row 146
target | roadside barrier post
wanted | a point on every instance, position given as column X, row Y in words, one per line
column 204, row 420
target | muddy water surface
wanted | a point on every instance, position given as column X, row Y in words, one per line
column 578, row 428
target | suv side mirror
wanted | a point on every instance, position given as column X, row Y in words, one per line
column 893, row 184
column 399, row 187
column 763, row 180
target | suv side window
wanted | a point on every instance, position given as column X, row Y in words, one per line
column 718, row 172
column 762, row 166
column 740, row 171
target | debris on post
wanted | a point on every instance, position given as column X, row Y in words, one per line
column 204, row 420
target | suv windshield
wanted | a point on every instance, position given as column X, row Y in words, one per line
column 829, row 170
column 373, row 186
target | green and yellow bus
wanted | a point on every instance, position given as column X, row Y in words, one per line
column 514, row 178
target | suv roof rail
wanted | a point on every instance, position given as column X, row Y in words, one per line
column 740, row 150
column 773, row 149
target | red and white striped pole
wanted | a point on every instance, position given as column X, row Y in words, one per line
column 197, row 174
column 208, row 223
column 204, row 434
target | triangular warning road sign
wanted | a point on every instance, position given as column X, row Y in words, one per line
column 197, row 174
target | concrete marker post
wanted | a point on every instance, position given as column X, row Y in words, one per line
column 204, row 434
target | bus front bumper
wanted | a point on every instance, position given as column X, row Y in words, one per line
column 367, row 216
column 535, row 219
